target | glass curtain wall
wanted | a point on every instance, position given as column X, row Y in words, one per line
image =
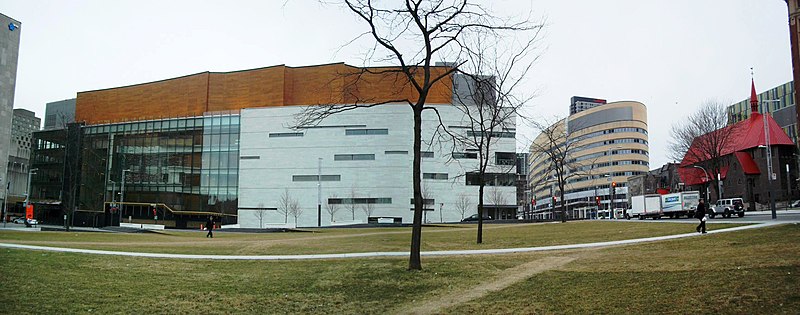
column 185, row 169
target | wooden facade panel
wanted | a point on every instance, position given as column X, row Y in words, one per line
column 180, row 97
column 197, row 94
column 245, row 89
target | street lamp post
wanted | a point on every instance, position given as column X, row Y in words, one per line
column 769, row 158
column 707, row 179
column 122, row 195
column 319, row 192
column 28, row 189
column 788, row 187
column 5, row 196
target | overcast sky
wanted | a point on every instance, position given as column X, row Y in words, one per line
column 670, row 55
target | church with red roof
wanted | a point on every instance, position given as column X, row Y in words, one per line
column 739, row 159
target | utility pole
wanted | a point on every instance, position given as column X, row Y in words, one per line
column 788, row 187
column 122, row 196
column 319, row 192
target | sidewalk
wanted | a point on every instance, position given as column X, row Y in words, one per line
column 386, row 254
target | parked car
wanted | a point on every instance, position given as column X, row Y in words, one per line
column 33, row 222
column 795, row 204
column 474, row 217
column 18, row 220
column 727, row 207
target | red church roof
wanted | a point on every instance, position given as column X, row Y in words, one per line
column 747, row 134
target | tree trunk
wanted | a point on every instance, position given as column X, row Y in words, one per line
column 564, row 206
column 414, row 262
column 480, row 211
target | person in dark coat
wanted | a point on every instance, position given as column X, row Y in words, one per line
column 210, row 226
column 700, row 213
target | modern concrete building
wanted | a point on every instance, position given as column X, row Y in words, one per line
column 58, row 114
column 778, row 101
column 24, row 124
column 603, row 146
column 221, row 144
column 10, row 30
column 362, row 162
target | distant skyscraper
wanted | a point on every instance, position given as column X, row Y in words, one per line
column 9, row 51
column 578, row 104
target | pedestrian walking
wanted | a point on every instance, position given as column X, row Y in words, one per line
column 700, row 213
column 210, row 226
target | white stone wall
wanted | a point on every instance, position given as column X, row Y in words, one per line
column 262, row 181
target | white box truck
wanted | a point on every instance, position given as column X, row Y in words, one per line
column 645, row 206
column 680, row 204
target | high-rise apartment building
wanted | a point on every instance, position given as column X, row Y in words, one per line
column 578, row 104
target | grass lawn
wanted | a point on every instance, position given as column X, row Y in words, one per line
column 747, row 272
column 759, row 266
column 324, row 241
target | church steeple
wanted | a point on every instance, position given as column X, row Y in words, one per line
column 753, row 97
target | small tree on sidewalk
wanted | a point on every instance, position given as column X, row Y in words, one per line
column 463, row 204
column 332, row 208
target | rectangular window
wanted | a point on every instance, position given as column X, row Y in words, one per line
column 442, row 176
column 285, row 134
column 425, row 201
column 361, row 132
column 359, row 201
column 313, row 178
column 426, row 154
column 505, row 158
column 494, row 134
column 396, row 152
column 353, row 157
column 491, row 179
column 465, row 155
column 333, row 126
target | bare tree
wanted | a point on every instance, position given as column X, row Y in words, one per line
column 260, row 214
column 463, row 204
column 295, row 210
column 497, row 197
column 285, row 205
column 332, row 208
column 703, row 138
column 560, row 166
column 487, row 99
column 368, row 208
column 351, row 206
column 412, row 34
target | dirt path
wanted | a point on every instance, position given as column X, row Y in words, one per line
column 506, row 279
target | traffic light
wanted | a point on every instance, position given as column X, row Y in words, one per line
column 154, row 212
column 597, row 200
column 533, row 201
